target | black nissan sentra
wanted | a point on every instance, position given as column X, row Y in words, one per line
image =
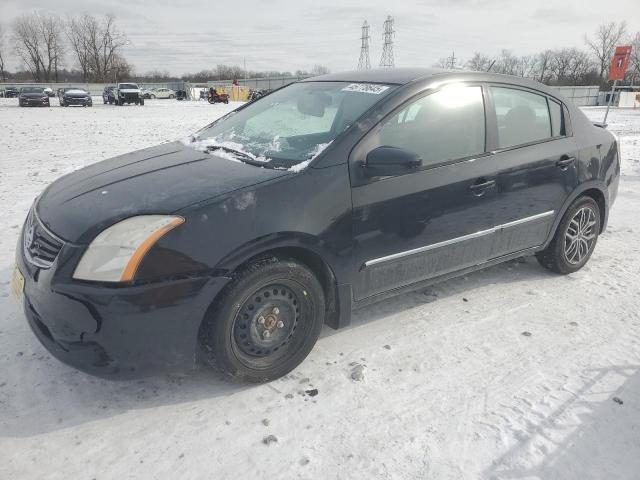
column 236, row 245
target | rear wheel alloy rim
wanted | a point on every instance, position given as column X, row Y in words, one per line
column 266, row 321
column 580, row 235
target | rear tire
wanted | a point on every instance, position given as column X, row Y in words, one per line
column 266, row 321
column 575, row 238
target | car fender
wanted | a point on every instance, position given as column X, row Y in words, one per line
column 307, row 249
column 577, row 192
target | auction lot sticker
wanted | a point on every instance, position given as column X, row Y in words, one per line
column 365, row 88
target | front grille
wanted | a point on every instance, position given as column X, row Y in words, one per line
column 41, row 247
column 130, row 95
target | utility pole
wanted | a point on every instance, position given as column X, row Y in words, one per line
column 363, row 62
column 387, row 61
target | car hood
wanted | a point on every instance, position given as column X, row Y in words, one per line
column 76, row 93
column 157, row 180
column 129, row 90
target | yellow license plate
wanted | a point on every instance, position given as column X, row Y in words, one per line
column 17, row 284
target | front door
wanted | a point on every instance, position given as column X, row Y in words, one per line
column 438, row 218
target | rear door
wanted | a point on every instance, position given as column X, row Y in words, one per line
column 533, row 144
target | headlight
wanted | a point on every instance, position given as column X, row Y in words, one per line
column 116, row 253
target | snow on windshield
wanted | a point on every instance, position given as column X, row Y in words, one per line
column 223, row 149
column 290, row 126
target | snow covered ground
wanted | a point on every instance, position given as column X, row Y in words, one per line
column 512, row 372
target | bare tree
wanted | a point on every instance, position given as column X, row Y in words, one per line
column 97, row 46
column 480, row 62
column 76, row 30
column 579, row 67
column 634, row 64
column 443, row 62
column 543, row 62
column 526, row 66
column 38, row 42
column 319, row 70
column 28, row 44
column 3, row 72
column 506, row 63
column 51, row 31
column 603, row 45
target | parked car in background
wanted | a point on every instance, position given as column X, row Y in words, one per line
column 49, row 91
column 33, row 97
column 128, row 93
column 328, row 194
column 74, row 96
column 162, row 93
column 146, row 92
column 10, row 92
column 108, row 95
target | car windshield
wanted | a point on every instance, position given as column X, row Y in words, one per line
column 129, row 86
column 31, row 90
column 291, row 126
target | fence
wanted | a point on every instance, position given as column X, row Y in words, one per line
column 264, row 83
column 581, row 96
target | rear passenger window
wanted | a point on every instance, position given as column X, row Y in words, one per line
column 446, row 125
column 522, row 117
column 557, row 127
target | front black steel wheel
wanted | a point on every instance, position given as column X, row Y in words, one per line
column 266, row 321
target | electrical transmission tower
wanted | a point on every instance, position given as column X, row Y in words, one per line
column 451, row 61
column 386, row 61
column 364, row 63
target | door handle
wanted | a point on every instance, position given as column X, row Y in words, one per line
column 478, row 189
column 564, row 163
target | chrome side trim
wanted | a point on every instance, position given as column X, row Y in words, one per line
column 463, row 238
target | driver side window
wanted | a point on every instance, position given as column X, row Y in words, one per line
column 446, row 125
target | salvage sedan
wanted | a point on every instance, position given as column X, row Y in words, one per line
column 74, row 96
column 33, row 97
column 235, row 246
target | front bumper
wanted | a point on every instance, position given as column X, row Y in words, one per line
column 32, row 102
column 77, row 101
column 107, row 330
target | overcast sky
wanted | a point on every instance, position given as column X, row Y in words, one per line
column 189, row 35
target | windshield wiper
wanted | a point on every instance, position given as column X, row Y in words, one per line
column 245, row 157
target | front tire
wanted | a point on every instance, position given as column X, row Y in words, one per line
column 266, row 321
column 575, row 238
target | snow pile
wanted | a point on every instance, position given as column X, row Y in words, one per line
column 299, row 167
column 223, row 148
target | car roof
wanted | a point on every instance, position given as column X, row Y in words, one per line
column 398, row 76
column 403, row 76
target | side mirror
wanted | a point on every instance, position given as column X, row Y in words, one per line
column 385, row 161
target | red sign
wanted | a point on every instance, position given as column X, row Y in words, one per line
column 620, row 62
